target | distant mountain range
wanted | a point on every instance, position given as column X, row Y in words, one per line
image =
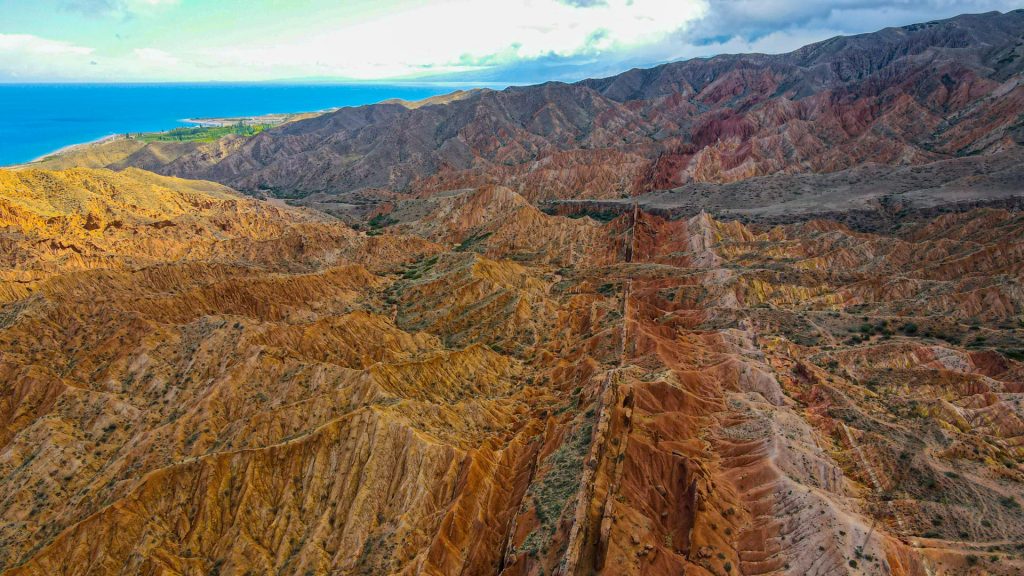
column 900, row 96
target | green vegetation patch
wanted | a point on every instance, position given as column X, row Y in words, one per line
column 203, row 133
column 1015, row 354
column 468, row 244
column 598, row 215
column 381, row 221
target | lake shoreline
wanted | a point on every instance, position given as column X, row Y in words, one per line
column 69, row 148
column 275, row 119
column 40, row 120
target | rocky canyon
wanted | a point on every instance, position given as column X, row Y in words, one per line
column 746, row 315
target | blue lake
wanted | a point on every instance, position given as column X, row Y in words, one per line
column 36, row 119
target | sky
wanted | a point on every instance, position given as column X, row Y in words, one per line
column 458, row 41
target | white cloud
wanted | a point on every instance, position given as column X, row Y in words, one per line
column 461, row 35
column 779, row 26
column 743, row 16
column 35, row 45
column 509, row 40
column 116, row 8
column 155, row 56
column 778, row 42
column 28, row 57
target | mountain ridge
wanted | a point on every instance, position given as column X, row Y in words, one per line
column 885, row 97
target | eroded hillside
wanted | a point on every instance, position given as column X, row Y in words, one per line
column 193, row 382
column 899, row 97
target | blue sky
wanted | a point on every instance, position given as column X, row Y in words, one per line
column 387, row 40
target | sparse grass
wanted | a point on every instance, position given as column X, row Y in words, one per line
column 553, row 491
column 1009, row 502
column 468, row 244
column 599, row 215
column 381, row 221
column 1013, row 354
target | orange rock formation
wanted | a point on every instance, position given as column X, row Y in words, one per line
column 193, row 382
